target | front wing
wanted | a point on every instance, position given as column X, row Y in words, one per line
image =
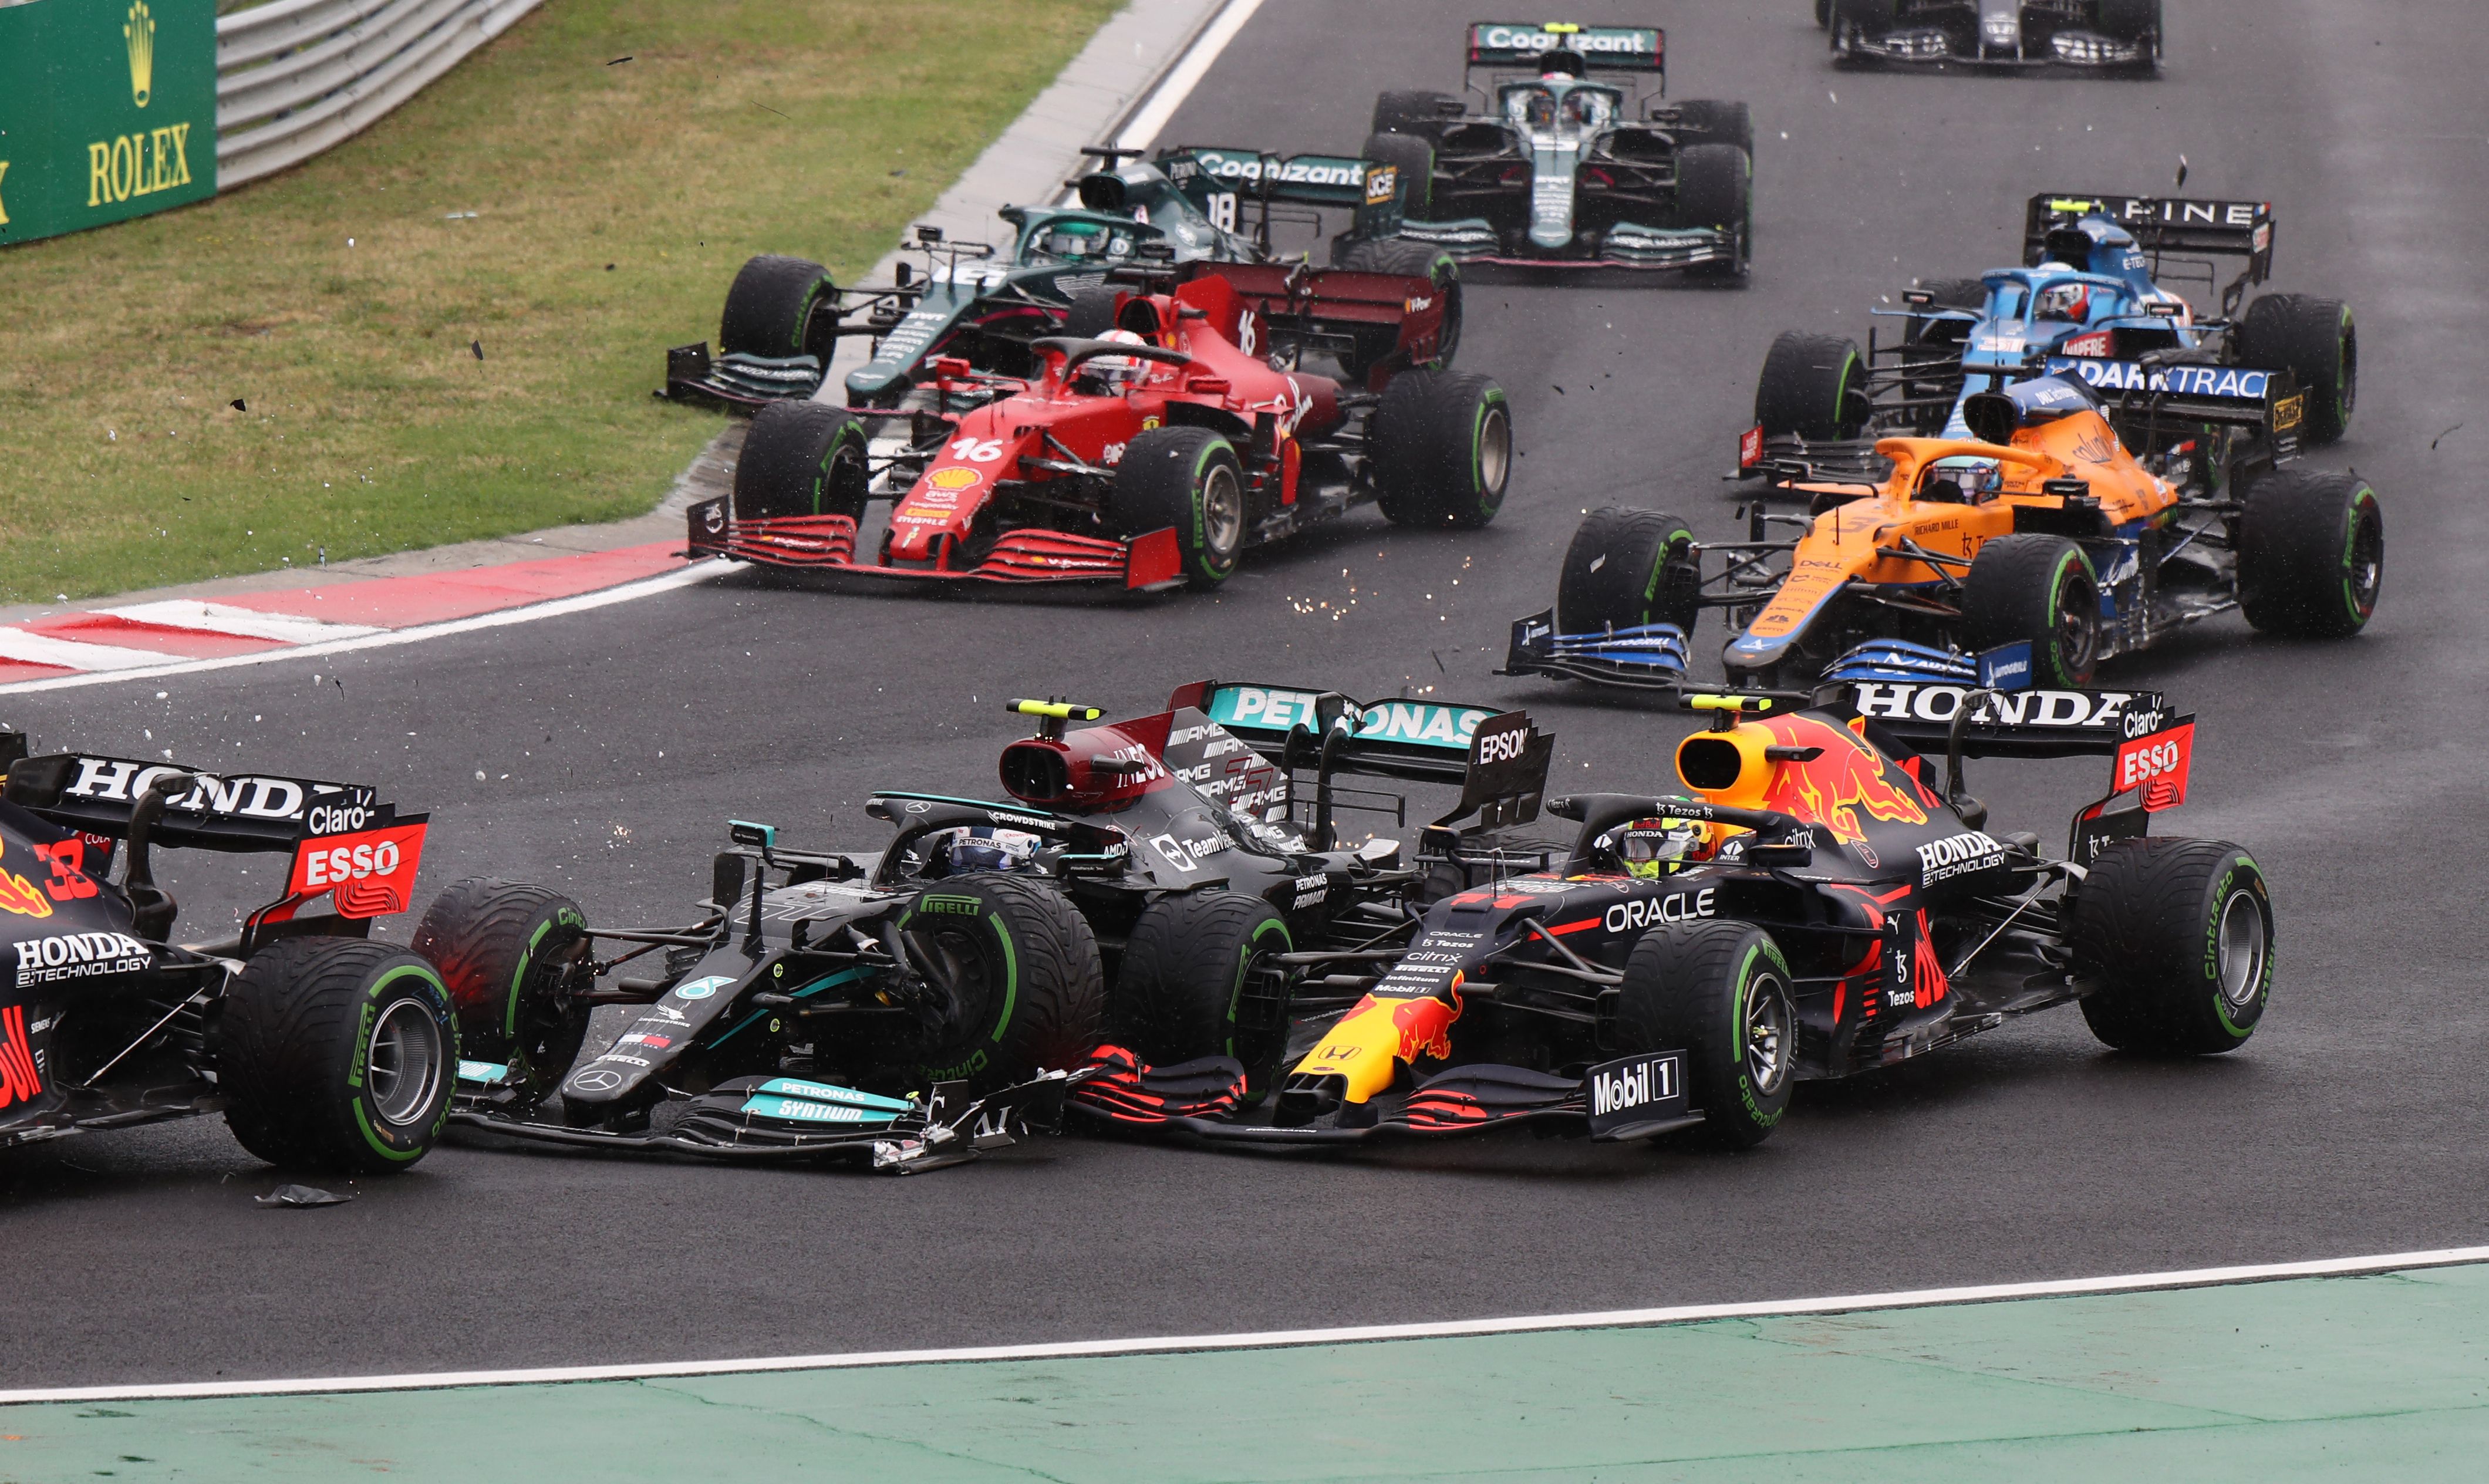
column 827, row 543
column 1626, row 245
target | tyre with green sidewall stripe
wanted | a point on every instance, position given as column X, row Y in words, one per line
column 2312, row 553
column 2041, row 589
column 801, row 458
column 511, row 955
column 1018, row 970
column 337, row 1054
column 2177, row 933
column 1811, row 387
column 1372, row 347
column 1439, row 448
column 1180, row 991
column 1626, row 568
column 2318, row 342
column 775, row 308
column 1188, row 478
column 1719, row 992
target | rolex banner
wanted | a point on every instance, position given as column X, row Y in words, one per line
column 107, row 110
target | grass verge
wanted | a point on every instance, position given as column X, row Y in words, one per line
column 342, row 302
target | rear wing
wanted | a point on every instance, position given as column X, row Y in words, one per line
column 343, row 837
column 1601, row 48
column 2166, row 224
column 2185, row 395
column 2008, row 724
column 1496, row 757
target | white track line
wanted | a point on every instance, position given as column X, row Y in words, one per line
column 72, row 653
column 1143, row 129
column 387, row 639
column 1611, row 1319
column 248, row 622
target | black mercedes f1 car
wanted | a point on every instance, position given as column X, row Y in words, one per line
column 915, row 1005
column 2092, row 36
column 320, row 1049
column 1812, row 907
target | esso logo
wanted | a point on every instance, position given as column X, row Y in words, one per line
column 336, row 819
column 349, row 862
column 2151, row 760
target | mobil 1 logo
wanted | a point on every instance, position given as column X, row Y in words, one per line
column 1629, row 1095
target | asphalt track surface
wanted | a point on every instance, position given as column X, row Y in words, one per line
column 613, row 745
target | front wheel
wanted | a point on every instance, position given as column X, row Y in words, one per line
column 1627, row 568
column 1719, row 992
column 1186, row 479
column 2038, row 589
column 1013, row 972
column 2312, row 553
column 1715, row 189
column 780, row 306
column 510, row 955
column 2179, row 932
column 1813, row 387
column 1190, row 968
column 1371, row 347
column 337, row 1054
column 801, row 458
column 1441, row 450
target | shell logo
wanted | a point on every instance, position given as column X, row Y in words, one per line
column 953, row 478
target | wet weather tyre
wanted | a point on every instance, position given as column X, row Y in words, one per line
column 1414, row 156
column 2179, row 933
column 1720, row 992
column 1092, row 313
column 1410, row 111
column 801, row 458
column 2312, row 553
column 2318, row 342
column 1186, row 479
column 1190, row 967
column 2040, row 588
column 1822, row 12
column 1715, row 188
column 1713, row 121
column 1371, row 347
column 1627, row 568
column 512, row 956
column 1442, row 444
column 337, row 1054
column 779, row 307
column 1016, row 969
column 1813, row 387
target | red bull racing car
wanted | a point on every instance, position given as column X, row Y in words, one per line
column 1812, row 905
column 1148, row 458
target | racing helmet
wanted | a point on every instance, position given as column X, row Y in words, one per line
column 1116, row 372
column 985, row 847
column 1072, row 240
column 1656, row 845
column 2066, row 301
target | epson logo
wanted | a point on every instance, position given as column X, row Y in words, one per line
column 1650, row 912
column 1955, row 854
column 1633, row 1087
column 1502, row 746
column 79, row 956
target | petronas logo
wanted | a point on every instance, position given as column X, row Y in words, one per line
column 140, row 32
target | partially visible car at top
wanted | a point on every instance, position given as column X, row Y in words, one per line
column 2115, row 35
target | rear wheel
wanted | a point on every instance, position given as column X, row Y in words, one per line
column 1015, row 972
column 801, row 458
column 2316, row 340
column 1182, row 990
column 780, row 306
column 1412, row 111
column 2179, row 935
column 1720, row 992
column 2312, row 553
column 2041, row 589
column 337, row 1054
column 1813, row 387
column 1413, row 158
column 1092, row 313
column 1624, row 569
column 509, row 954
column 1186, row 479
column 1441, row 449
column 1715, row 188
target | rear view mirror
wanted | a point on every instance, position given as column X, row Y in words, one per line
column 1777, row 856
column 761, row 837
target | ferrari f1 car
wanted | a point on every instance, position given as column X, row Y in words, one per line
column 785, row 316
column 914, row 1005
column 2088, row 34
column 1553, row 171
column 321, row 1050
column 2094, row 298
column 1149, row 456
column 2021, row 555
column 1812, row 907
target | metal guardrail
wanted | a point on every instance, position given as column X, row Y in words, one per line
column 294, row 77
